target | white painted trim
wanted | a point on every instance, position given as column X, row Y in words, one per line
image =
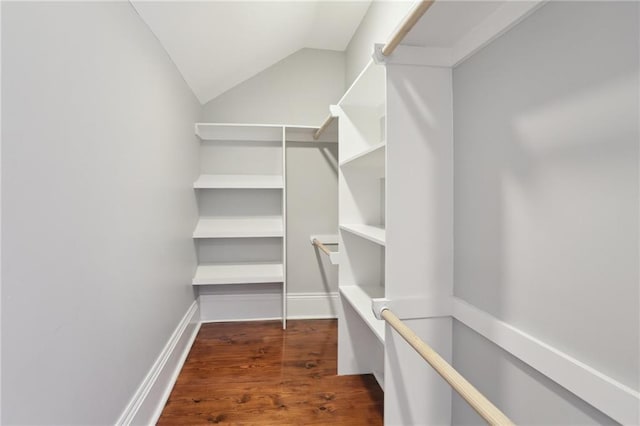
column 313, row 305
column 613, row 398
column 266, row 306
column 500, row 21
column 414, row 308
column 421, row 56
column 147, row 403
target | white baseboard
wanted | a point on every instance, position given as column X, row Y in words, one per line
column 149, row 399
column 312, row 305
column 266, row 306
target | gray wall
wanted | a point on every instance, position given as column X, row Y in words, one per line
column 381, row 19
column 297, row 90
column 98, row 158
column 546, row 201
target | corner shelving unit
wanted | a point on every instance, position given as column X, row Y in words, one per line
column 362, row 210
column 242, row 204
column 395, row 186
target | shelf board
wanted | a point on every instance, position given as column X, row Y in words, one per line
column 239, row 182
column 360, row 299
column 371, row 158
column 239, row 132
column 239, row 227
column 374, row 234
column 305, row 134
column 239, row 273
column 368, row 89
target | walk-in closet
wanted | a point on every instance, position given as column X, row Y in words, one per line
column 320, row 213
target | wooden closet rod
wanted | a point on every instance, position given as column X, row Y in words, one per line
column 489, row 412
column 321, row 246
column 409, row 21
column 324, row 126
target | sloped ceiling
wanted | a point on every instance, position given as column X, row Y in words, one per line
column 219, row 44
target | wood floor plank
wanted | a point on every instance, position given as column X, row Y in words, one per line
column 254, row 373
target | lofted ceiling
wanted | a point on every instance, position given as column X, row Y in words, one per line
column 219, row 44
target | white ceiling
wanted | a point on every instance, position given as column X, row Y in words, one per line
column 219, row 44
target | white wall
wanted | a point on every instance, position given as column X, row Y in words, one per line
column 546, row 202
column 297, row 90
column 98, row 158
column 377, row 25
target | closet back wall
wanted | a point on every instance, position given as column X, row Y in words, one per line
column 296, row 90
column 98, row 163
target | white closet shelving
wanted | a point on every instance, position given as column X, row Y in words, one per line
column 239, row 182
column 362, row 213
column 240, row 227
column 396, row 204
column 241, row 199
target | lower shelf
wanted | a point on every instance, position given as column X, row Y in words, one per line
column 360, row 299
column 238, row 273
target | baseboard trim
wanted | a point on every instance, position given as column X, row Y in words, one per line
column 231, row 307
column 147, row 403
column 312, row 305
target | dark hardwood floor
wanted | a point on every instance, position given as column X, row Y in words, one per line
column 254, row 373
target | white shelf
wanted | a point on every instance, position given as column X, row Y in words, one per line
column 239, row 132
column 239, row 182
column 360, row 299
column 372, row 233
column 368, row 89
column 241, row 227
column 371, row 158
column 239, row 273
column 305, row 134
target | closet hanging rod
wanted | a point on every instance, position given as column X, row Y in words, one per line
column 321, row 246
column 324, row 126
column 409, row 21
column 489, row 412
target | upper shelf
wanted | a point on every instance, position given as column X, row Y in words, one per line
column 239, row 227
column 371, row 158
column 360, row 300
column 452, row 31
column 305, row 133
column 368, row 89
column 239, row 182
column 239, row 132
column 238, row 273
column 374, row 234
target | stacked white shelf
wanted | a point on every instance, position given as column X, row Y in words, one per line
column 241, row 233
column 395, row 186
column 362, row 223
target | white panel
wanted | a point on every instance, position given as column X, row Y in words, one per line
column 419, row 237
column 546, row 182
column 414, row 393
column 419, row 182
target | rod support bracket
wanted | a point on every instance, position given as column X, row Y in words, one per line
column 379, row 305
column 377, row 55
column 334, row 110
